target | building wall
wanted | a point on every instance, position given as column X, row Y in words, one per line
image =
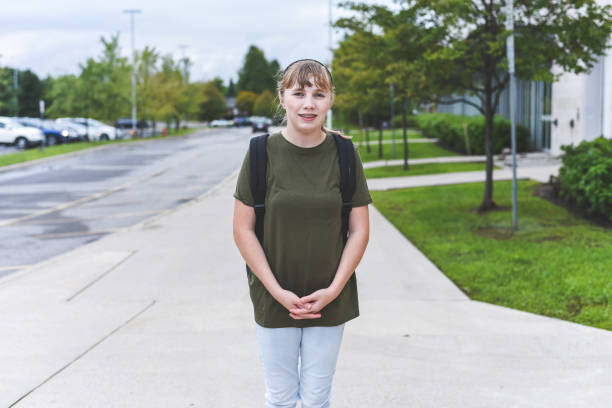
column 586, row 99
column 532, row 110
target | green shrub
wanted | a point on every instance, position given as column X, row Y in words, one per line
column 448, row 128
column 410, row 121
column 585, row 179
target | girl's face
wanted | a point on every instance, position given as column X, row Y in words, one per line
column 306, row 107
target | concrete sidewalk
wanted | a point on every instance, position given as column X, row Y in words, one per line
column 158, row 315
column 541, row 174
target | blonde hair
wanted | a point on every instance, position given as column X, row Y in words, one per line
column 299, row 72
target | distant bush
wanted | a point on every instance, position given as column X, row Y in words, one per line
column 410, row 121
column 585, row 179
column 449, row 129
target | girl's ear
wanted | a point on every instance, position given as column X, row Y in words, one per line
column 280, row 100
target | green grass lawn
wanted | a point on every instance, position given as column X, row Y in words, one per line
column 420, row 169
column 360, row 136
column 555, row 265
column 415, row 151
column 36, row 153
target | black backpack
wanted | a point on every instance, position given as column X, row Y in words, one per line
column 258, row 160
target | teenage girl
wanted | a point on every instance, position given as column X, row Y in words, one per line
column 302, row 284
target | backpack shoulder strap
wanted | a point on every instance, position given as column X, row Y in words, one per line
column 258, row 161
column 346, row 160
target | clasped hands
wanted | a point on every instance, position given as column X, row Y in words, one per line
column 307, row 307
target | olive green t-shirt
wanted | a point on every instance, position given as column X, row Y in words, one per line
column 302, row 228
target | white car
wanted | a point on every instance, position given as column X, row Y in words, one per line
column 14, row 133
column 94, row 129
column 221, row 123
column 80, row 129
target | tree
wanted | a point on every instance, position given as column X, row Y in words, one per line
column 567, row 33
column 461, row 50
column 146, row 67
column 7, row 92
column 257, row 73
column 265, row 105
column 212, row 103
column 29, row 93
column 105, row 83
column 362, row 64
column 245, row 101
column 65, row 96
column 231, row 89
column 218, row 82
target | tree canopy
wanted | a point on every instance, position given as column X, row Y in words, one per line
column 257, row 73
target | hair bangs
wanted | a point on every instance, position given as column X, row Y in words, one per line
column 302, row 73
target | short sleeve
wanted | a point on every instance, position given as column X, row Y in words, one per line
column 243, row 185
column 361, row 196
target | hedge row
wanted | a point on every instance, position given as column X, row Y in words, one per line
column 449, row 129
column 585, row 179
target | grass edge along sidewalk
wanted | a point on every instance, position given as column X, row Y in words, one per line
column 556, row 265
column 424, row 168
column 34, row 155
column 415, row 151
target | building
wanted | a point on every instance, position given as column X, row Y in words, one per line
column 581, row 106
column 533, row 110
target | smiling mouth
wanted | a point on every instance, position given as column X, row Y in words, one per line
column 308, row 115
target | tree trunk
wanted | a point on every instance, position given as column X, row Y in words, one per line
column 360, row 128
column 405, row 132
column 380, row 143
column 487, row 201
column 367, row 129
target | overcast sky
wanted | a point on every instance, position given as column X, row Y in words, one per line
column 54, row 36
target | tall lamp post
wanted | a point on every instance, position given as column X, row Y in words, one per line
column 131, row 12
column 183, row 47
column 510, row 53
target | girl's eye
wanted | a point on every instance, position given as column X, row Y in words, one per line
column 297, row 93
column 321, row 95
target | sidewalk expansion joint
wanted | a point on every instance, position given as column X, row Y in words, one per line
column 90, row 284
column 84, row 353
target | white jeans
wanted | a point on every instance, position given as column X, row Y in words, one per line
column 279, row 350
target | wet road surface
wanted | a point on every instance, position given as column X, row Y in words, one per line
column 48, row 209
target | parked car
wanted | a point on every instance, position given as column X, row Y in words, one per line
column 240, row 121
column 124, row 128
column 82, row 131
column 67, row 131
column 96, row 130
column 260, row 125
column 53, row 135
column 220, row 123
column 14, row 133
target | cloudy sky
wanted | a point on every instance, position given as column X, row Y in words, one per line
column 54, row 36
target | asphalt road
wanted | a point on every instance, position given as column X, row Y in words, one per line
column 48, row 209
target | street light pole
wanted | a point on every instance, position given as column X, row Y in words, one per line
column 131, row 12
column 510, row 54
column 185, row 76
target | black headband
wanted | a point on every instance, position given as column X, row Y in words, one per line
column 309, row 59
